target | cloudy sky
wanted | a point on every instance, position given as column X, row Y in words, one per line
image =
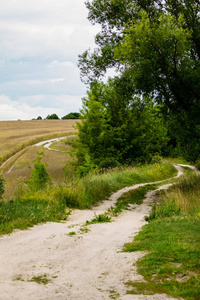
column 40, row 41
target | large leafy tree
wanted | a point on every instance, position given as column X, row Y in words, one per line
column 118, row 127
column 157, row 45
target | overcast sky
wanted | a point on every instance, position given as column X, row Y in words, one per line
column 40, row 41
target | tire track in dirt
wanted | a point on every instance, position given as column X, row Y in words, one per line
column 86, row 265
column 46, row 144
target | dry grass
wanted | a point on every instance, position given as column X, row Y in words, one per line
column 55, row 160
column 16, row 138
column 17, row 135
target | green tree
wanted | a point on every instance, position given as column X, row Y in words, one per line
column 157, row 45
column 117, row 127
column 52, row 117
column 72, row 115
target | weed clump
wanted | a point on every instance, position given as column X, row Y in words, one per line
column 2, row 184
column 39, row 178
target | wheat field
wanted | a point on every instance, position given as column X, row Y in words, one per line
column 18, row 138
column 16, row 135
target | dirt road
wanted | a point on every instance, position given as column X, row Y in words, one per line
column 77, row 262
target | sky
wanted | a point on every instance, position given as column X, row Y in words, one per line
column 40, row 41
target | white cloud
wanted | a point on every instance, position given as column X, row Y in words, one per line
column 23, row 110
column 39, row 47
column 44, row 27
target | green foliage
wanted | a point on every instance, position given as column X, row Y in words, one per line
column 28, row 211
column 102, row 218
column 39, row 178
column 156, row 45
column 118, row 128
column 41, row 279
column 132, row 197
column 2, row 184
column 87, row 191
column 72, row 115
column 172, row 240
column 52, row 117
column 172, row 263
column 31, row 207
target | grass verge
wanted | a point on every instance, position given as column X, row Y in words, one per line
column 49, row 204
column 87, row 191
column 132, row 197
column 22, row 214
column 172, row 240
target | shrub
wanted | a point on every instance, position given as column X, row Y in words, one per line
column 39, row 176
column 2, row 184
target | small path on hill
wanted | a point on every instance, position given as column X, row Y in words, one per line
column 86, row 265
column 46, row 144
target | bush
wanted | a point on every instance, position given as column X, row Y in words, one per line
column 2, row 184
column 39, row 176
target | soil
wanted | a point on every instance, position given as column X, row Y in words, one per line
column 68, row 260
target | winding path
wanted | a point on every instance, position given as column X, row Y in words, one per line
column 46, row 144
column 85, row 265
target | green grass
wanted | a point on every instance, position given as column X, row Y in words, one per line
column 23, row 214
column 30, row 208
column 102, row 218
column 173, row 264
column 85, row 192
column 41, row 279
column 172, row 239
column 72, row 233
column 132, row 197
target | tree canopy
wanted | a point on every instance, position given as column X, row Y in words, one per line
column 52, row 117
column 72, row 115
column 118, row 128
column 156, row 44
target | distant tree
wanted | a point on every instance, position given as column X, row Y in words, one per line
column 72, row 115
column 39, row 118
column 52, row 117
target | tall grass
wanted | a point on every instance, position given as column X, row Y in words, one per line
column 85, row 192
column 181, row 199
column 55, row 161
column 28, row 207
column 172, row 242
column 21, row 214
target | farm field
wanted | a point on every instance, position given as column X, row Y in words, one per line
column 18, row 138
column 16, row 135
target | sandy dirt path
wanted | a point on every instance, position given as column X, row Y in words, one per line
column 86, row 265
column 46, row 144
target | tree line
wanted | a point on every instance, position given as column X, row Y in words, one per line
column 152, row 104
column 72, row 115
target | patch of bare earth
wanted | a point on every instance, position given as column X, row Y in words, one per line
column 77, row 262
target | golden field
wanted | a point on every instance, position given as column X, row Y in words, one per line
column 18, row 138
column 16, row 135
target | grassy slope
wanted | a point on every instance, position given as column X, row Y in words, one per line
column 172, row 239
column 31, row 208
